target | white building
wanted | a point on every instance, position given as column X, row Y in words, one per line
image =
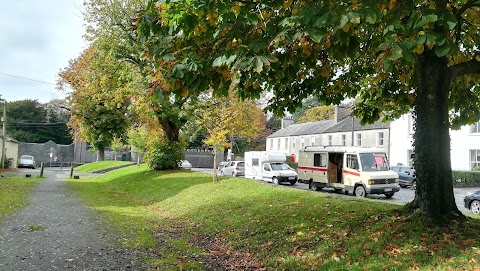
column 343, row 130
column 395, row 138
column 464, row 145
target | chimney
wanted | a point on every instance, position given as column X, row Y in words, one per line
column 286, row 121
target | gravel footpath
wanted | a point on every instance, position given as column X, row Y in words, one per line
column 58, row 232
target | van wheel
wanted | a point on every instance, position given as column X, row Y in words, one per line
column 360, row 191
column 234, row 174
column 221, row 173
column 389, row 195
column 293, row 182
column 313, row 186
column 275, row 180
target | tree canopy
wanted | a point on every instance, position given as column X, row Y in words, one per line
column 391, row 55
column 32, row 122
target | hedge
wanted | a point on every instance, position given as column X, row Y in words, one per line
column 289, row 162
column 466, row 178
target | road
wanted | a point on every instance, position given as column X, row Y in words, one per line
column 405, row 195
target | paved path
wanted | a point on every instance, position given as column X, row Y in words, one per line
column 58, row 232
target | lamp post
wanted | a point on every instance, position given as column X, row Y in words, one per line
column 4, row 132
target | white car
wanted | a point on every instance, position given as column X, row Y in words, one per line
column 185, row 164
column 26, row 161
column 234, row 169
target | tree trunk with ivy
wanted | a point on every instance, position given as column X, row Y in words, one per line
column 434, row 191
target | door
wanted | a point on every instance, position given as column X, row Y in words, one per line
column 267, row 172
column 320, row 167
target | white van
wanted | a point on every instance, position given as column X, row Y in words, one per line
column 355, row 170
column 269, row 166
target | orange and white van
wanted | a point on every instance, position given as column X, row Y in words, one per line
column 355, row 170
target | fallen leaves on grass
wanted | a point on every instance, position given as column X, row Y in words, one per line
column 221, row 256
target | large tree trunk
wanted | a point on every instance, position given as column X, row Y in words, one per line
column 434, row 192
column 101, row 154
column 170, row 129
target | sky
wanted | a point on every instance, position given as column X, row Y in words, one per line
column 37, row 40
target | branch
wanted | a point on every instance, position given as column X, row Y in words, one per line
column 467, row 5
column 470, row 67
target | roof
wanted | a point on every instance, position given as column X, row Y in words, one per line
column 346, row 126
column 307, row 128
column 327, row 126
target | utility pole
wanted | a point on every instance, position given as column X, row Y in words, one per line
column 4, row 131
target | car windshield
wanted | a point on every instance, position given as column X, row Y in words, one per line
column 373, row 161
column 26, row 157
column 279, row 166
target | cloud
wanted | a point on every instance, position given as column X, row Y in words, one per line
column 38, row 39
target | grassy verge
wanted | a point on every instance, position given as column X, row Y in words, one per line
column 188, row 222
column 13, row 194
column 100, row 165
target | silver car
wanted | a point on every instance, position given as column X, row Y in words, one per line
column 26, row 161
column 234, row 169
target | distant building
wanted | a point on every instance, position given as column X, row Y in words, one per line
column 343, row 130
column 464, row 144
column 11, row 150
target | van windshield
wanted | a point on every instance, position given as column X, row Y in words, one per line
column 279, row 166
column 373, row 161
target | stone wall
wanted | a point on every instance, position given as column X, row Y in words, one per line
column 47, row 152
column 201, row 158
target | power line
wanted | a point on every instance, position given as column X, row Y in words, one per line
column 29, row 79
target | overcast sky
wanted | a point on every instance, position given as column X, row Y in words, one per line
column 37, row 39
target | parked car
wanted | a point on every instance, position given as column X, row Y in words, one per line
column 185, row 164
column 234, row 169
column 472, row 202
column 222, row 165
column 406, row 176
column 26, row 161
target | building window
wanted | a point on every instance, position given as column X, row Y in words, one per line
column 358, row 140
column 293, row 143
column 302, row 142
column 475, row 128
column 344, row 140
column 410, row 158
column 278, row 144
column 411, row 124
column 329, row 140
column 312, row 143
column 271, row 144
column 474, row 159
column 380, row 139
column 286, row 143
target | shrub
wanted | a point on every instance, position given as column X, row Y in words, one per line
column 164, row 155
column 8, row 163
column 476, row 169
column 466, row 178
column 289, row 162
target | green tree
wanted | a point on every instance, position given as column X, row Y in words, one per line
column 98, row 114
column 391, row 55
column 33, row 122
column 226, row 117
column 307, row 103
column 137, row 138
column 116, row 145
column 318, row 113
column 110, row 24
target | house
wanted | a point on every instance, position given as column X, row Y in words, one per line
column 464, row 144
column 11, row 150
column 343, row 130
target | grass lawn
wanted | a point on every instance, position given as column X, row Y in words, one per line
column 100, row 165
column 186, row 222
column 13, row 193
